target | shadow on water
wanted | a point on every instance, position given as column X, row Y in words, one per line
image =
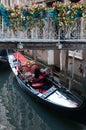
column 84, row 86
column 18, row 111
column 50, row 119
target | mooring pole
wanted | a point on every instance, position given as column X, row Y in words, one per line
column 73, row 65
column 72, row 70
column 66, row 69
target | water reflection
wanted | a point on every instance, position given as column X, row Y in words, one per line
column 84, row 86
column 18, row 111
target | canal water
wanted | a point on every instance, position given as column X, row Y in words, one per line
column 18, row 111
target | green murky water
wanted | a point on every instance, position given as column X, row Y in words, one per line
column 18, row 111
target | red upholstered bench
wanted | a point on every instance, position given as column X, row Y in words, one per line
column 40, row 90
column 25, row 68
column 41, row 77
column 36, row 80
column 37, row 85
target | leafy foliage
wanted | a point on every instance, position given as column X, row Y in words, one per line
column 26, row 17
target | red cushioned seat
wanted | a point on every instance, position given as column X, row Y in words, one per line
column 37, row 85
column 43, row 91
column 34, row 66
column 40, row 90
column 36, row 80
column 41, row 77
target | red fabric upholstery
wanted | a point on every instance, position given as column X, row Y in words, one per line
column 41, row 77
column 35, row 80
column 33, row 67
column 40, row 90
column 43, row 91
column 25, row 68
column 20, row 57
column 37, row 85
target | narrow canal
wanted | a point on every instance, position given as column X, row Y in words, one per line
column 18, row 111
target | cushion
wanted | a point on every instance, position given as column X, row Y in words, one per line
column 37, row 85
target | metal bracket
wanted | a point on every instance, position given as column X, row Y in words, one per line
column 20, row 45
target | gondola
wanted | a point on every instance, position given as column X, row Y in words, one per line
column 42, row 86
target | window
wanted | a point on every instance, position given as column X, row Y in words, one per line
column 77, row 54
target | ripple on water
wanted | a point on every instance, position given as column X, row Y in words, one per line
column 3, row 127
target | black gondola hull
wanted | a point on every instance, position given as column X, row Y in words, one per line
column 54, row 107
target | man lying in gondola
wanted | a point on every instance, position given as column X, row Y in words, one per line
column 32, row 73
